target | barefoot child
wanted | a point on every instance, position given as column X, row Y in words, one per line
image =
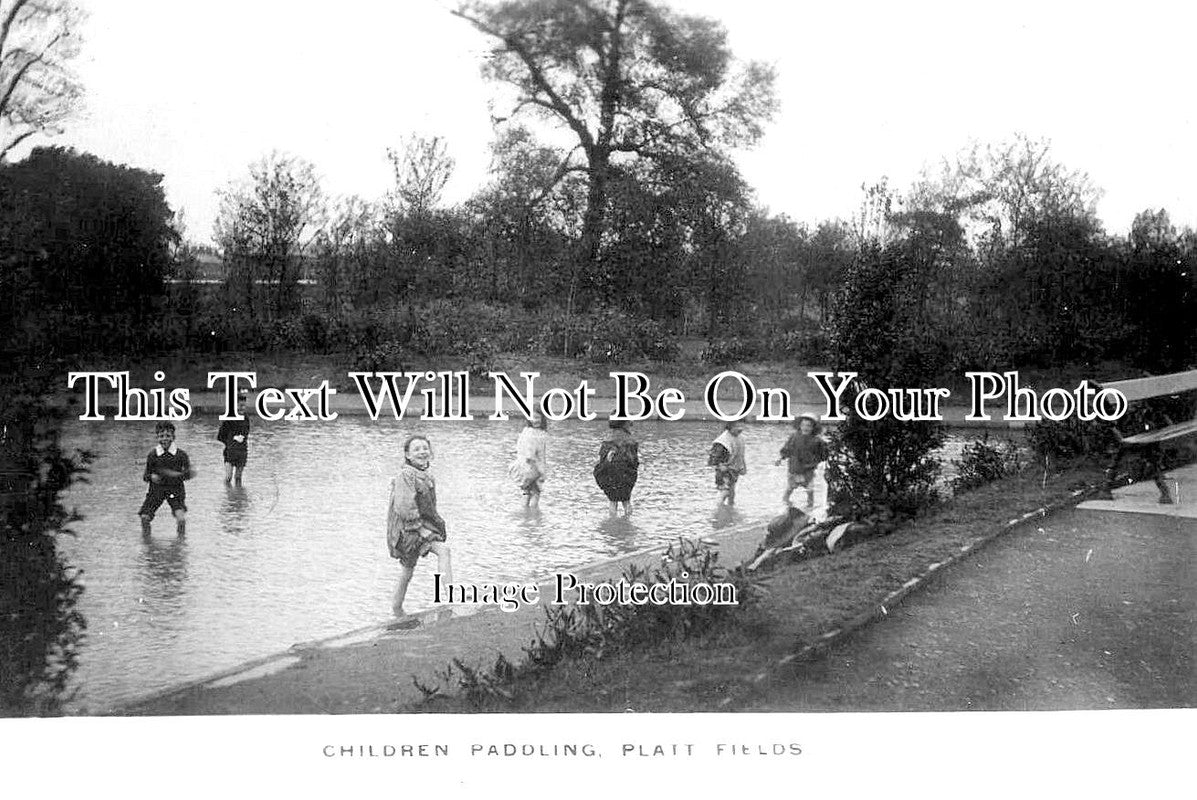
column 618, row 466
column 727, row 457
column 414, row 528
column 530, row 466
column 807, row 452
column 166, row 467
column 234, row 435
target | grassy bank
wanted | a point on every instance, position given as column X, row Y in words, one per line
column 802, row 601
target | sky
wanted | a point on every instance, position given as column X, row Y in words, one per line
column 199, row 91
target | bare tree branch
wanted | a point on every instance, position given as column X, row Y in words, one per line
column 37, row 88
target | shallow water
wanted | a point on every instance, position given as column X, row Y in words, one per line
column 299, row 552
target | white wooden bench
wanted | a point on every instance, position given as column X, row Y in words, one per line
column 1148, row 441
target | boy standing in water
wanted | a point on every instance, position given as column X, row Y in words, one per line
column 166, row 467
column 234, row 435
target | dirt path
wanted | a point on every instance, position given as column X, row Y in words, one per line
column 1088, row 610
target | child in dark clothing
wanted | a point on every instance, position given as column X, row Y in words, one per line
column 166, row 467
column 805, row 450
column 234, row 435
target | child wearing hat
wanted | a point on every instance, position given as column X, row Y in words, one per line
column 806, row 452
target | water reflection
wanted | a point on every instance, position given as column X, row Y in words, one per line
column 620, row 534
column 725, row 516
column 164, row 572
column 530, row 518
column 235, row 511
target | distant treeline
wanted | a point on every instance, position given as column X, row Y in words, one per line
column 1004, row 262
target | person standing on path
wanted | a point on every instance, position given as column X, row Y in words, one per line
column 618, row 466
column 414, row 527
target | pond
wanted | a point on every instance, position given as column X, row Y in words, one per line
column 299, row 553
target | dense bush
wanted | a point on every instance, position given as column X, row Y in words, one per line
column 561, row 336
column 983, row 462
column 885, row 463
column 314, row 332
column 728, row 352
column 354, row 330
column 806, row 345
column 875, row 333
column 1071, row 438
column 614, row 336
column 385, row 357
column 41, row 627
column 603, row 336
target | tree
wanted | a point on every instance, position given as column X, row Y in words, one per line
column 1000, row 190
column 679, row 220
column 38, row 40
column 1152, row 229
column 425, row 242
column 1159, row 293
column 523, row 220
column 347, row 250
column 422, row 169
column 264, row 226
column 831, row 250
column 1018, row 232
column 628, row 80
column 87, row 244
column 773, row 249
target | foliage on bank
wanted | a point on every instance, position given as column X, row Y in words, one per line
column 575, row 633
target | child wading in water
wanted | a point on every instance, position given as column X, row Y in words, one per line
column 807, row 454
column 414, row 528
column 727, row 457
column 166, row 467
column 234, row 435
column 530, row 466
column 618, row 467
